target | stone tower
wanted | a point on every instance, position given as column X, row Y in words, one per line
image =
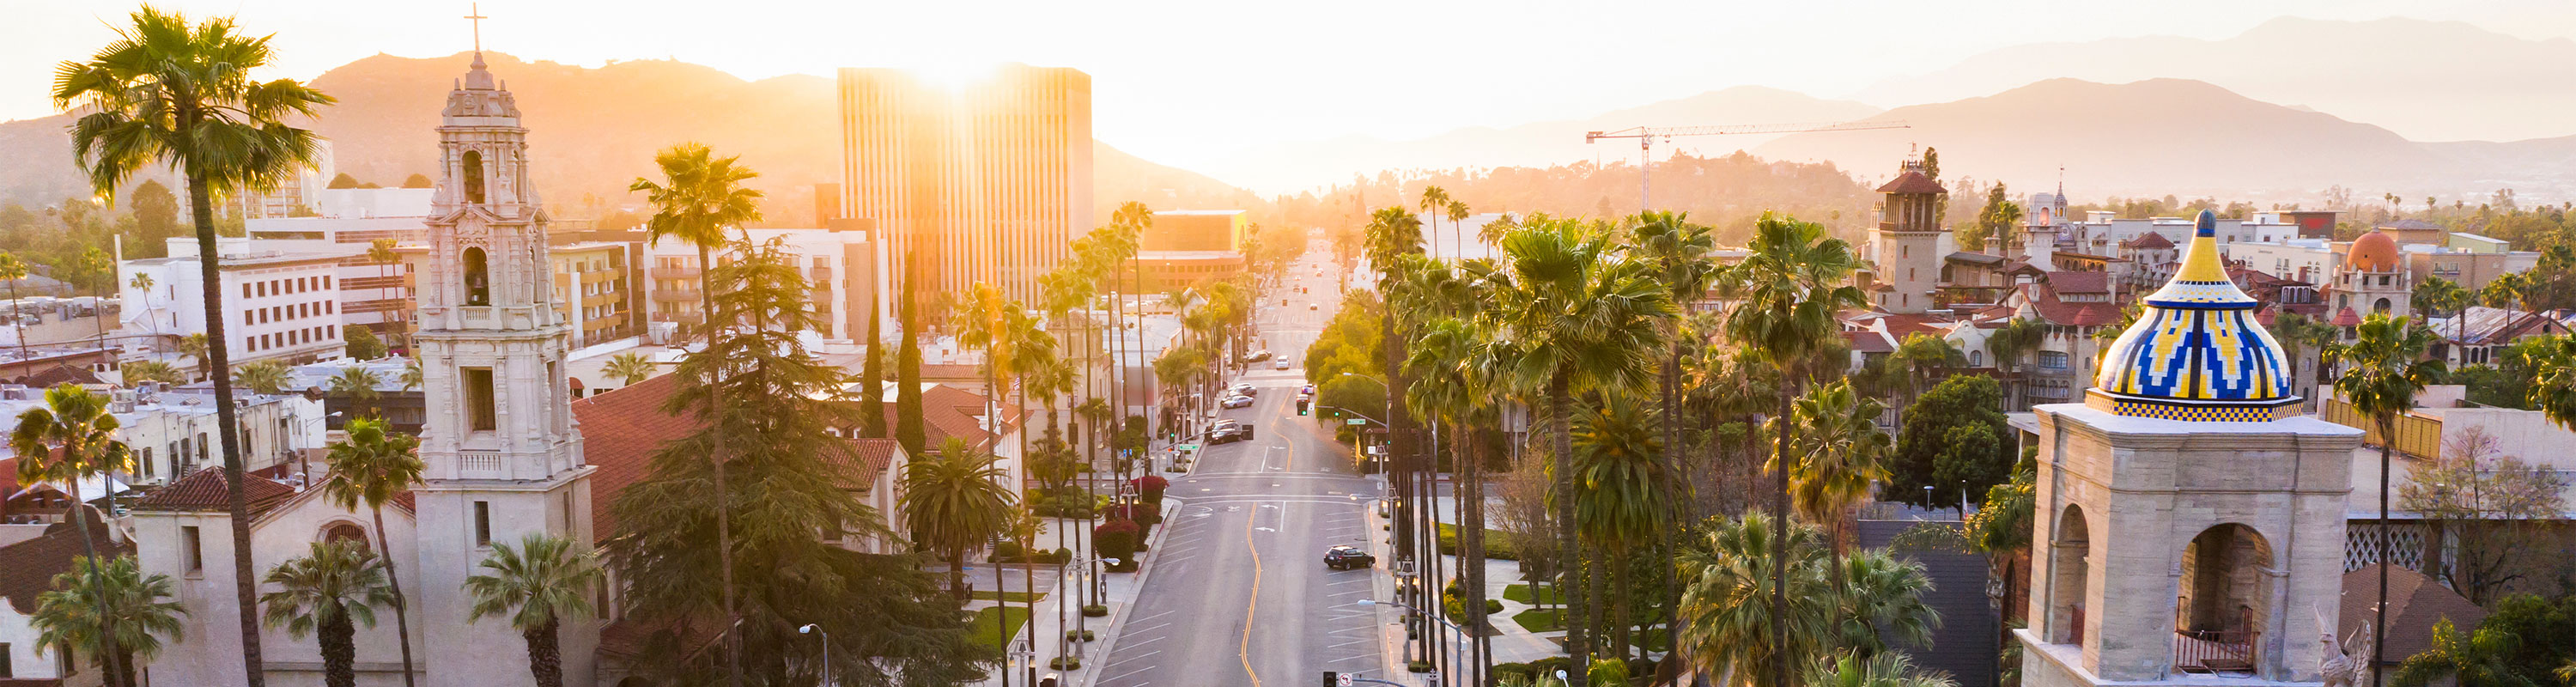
column 2372, row 280
column 1907, row 242
column 2188, row 519
column 502, row 457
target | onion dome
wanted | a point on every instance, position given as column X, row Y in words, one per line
column 2373, row 252
column 2196, row 353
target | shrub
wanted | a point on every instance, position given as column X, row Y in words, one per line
column 1094, row 611
column 1115, row 539
column 1152, row 487
column 1547, row 667
column 1497, row 544
column 1507, row 671
column 1606, row 671
column 1078, row 635
column 1417, row 667
column 1064, row 663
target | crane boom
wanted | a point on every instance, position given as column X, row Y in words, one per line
column 1646, row 136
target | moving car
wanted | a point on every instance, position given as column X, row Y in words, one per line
column 1228, row 431
column 1258, row 356
column 1345, row 557
column 1245, row 389
column 1236, row 402
column 1281, row 364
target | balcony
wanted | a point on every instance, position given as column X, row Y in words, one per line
column 676, row 295
column 661, row 272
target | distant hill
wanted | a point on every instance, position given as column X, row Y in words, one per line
column 2175, row 136
column 591, row 131
column 1292, row 167
column 2426, row 80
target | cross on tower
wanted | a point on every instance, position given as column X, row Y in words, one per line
column 475, row 14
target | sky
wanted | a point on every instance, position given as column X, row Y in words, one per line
column 1188, row 81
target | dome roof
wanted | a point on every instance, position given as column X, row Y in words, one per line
column 2373, row 252
column 2196, row 352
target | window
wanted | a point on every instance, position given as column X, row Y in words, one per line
column 192, row 551
column 146, row 461
column 478, row 284
column 2053, row 360
column 482, row 523
column 5, row 671
column 473, row 172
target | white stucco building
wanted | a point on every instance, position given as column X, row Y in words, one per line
column 278, row 305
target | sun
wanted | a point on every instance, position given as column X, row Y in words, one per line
column 955, row 76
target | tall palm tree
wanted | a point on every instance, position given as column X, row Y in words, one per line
column 2008, row 343
column 72, row 437
column 1922, row 356
column 2297, row 333
column 632, row 368
column 100, row 272
column 542, row 582
column 1455, row 381
column 1573, row 312
column 954, row 501
column 133, row 606
column 1621, row 502
column 1789, row 288
column 1458, row 214
column 359, row 385
column 369, row 469
column 1729, row 633
column 329, row 592
column 142, row 285
column 14, row 270
column 381, row 252
column 266, row 377
column 698, row 197
column 1840, row 453
column 2384, row 367
column 1679, row 250
column 1435, row 203
column 181, row 95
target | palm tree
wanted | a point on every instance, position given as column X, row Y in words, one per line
column 1881, row 598
column 1622, row 498
column 699, row 196
column 411, row 375
column 100, row 271
column 134, row 608
column 141, row 371
column 1573, row 311
column 1850, row 669
column 358, row 384
column 1923, row 355
column 369, row 469
column 70, row 438
column 2297, row 333
column 142, row 285
column 1788, row 288
column 1454, row 380
column 539, row 584
column 1435, row 203
column 1729, row 633
column 2384, row 367
column 263, row 377
column 13, row 270
column 1840, row 453
column 954, row 501
column 198, row 348
column 2008, row 343
column 1458, row 214
column 381, row 252
column 329, row 592
column 1679, row 250
column 630, row 368
column 181, row 95
column 2552, row 360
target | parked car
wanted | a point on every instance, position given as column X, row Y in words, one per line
column 1280, row 364
column 1246, row 389
column 1235, row 402
column 1228, row 431
column 1308, row 390
column 1345, row 557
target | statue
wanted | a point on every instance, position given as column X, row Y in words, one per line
column 2341, row 665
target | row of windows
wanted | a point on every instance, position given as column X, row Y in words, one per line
column 291, row 311
column 279, row 287
column 294, row 337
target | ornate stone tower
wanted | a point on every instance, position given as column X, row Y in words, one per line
column 1907, row 242
column 2188, row 520
column 503, row 459
column 2372, row 280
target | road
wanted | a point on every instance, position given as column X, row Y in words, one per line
column 1238, row 593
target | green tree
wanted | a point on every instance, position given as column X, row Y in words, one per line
column 96, row 270
column 141, row 371
column 1922, row 356
column 1850, row 669
column 1729, row 631
column 1997, row 221
column 908, row 428
column 2480, row 658
column 362, row 343
column 1789, row 288
column 872, row 417
column 630, row 368
column 2017, row 337
column 156, row 217
column 1954, row 440
column 1680, row 250
column 263, row 377
column 198, row 348
column 2384, row 367
column 14, row 270
column 954, row 500
column 368, row 470
column 171, row 93
column 72, row 437
column 2297, row 333
column 329, row 592
column 1620, row 495
column 358, row 384
column 417, row 180
column 1839, row 453
column 343, row 180
column 132, row 605
column 539, row 584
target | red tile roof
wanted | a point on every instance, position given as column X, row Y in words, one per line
column 1869, row 342
column 2079, row 282
column 28, row 568
column 2148, row 241
column 2346, row 317
column 2415, row 604
column 1912, row 182
column 206, row 490
column 622, row 428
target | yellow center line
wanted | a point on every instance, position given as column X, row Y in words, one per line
column 1244, row 649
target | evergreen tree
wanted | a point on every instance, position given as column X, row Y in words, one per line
column 907, row 393
column 1952, row 434
column 872, row 420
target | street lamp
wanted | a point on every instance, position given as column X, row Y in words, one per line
column 1028, row 655
column 813, row 629
column 1457, row 633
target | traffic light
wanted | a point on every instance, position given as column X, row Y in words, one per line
column 1304, row 406
column 1332, row 679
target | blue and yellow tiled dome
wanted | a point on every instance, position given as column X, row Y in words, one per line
column 2196, row 353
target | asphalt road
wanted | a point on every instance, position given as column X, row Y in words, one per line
column 1238, row 594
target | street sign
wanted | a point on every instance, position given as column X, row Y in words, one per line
column 1187, row 447
column 1342, row 681
column 1355, row 421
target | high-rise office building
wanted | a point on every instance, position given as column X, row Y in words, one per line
column 983, row 182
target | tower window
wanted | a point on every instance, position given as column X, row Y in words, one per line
column 478, row 400
column 482, row 523
column 473, row 172
column 191, row 549
column 478, row 279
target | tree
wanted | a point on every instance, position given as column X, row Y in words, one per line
column 14, row 270
column 872, row 419
column 156, row 217
column 343, row 180
column 362, row 343
column 143, row 371
column 382, row 253
column 1954, row 440
column 2008, row 343
column 1621, row 502
column 329, row 592
column 368, row 470
column 198, row 348
column 1996, row 222
column 2552, row 360
column 2297, row 333
column 1850, row 669
column 908, row 429
column 358, row 384
column 1789, row 287
column 72, row 437
column 1840, row 453
column 1456, row 382
column 2481, row 658
column 417, row 180
column 167, row 92
column 1932, row 163
column 1924, row 355
column 2384, row 367
column 1729, row 631
column 263, row 377
column 2486, row 505
column 540, row 583
column 133, row 606
column 411, row 375
column 97, row 271
column 698, row 197
column 955, row 501
column 630, row 368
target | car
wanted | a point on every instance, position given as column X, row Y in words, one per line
column 1310, row 306
column 1228, row 431
column 1246, row 389
column 1236, row 402
column 1280, row 364
column 1257, row 356
column 1307, row 390
column 1345, row 557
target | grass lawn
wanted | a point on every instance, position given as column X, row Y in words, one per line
column 1521, row 593
column 1532, row 620
column 983, row 625
column 1013, row 597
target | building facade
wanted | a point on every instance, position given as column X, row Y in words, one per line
column 989, row 182
column 840, row 264
column 1907, row 242
column 279, row 305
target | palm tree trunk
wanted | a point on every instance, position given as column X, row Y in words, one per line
column 1471, row 553
column 1001, row 614
column 2378, row 646
column 1674, row 504
column 957, row 575
column 98, row 587
column 1560, row 396
column 545, row 655
column 339, row 649
column 402, row 614
column 1625, row 618
column 218, row 358
column 1780, row 658
column 716, row 454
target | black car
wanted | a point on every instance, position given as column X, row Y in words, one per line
column 1346, row 557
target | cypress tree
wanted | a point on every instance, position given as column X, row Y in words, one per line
column 907, row 395
column 871, row 378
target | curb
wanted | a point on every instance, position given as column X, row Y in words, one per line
column 1117, row 626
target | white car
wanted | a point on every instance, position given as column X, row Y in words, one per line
column 1282, row 364
column 1236, row 402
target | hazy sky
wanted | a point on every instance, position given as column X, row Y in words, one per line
column 1180, row 81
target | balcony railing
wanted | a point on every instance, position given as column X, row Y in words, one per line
column 2215, row 651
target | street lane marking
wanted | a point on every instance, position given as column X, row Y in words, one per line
column 1243, row 649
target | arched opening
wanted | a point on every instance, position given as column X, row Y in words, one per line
column 2069, row 553
column 2225, row 597
column 473, row 176
column 345, row 531
column 2381, row 307
column 478, row 281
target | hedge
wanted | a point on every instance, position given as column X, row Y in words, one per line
column 1495, row 549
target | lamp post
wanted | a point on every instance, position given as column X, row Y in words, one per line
column 1028, row 655
column 1455, row 640
column 814, row 629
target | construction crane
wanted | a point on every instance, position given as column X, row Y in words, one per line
column 1647, row 135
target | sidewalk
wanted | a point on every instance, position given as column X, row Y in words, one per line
column 1120, row 591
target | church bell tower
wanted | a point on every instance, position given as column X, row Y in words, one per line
column 502, row 456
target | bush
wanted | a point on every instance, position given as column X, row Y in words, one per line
column 1072, row 505
column 1496, row 546
column 1095, row 611
column 1508, row 671
column 1606, row 671
column 1417, row 667
column 1115, row 539
column 1078, row 635
column 1064, row 663
column 1547, row 667
column 1152, row 487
